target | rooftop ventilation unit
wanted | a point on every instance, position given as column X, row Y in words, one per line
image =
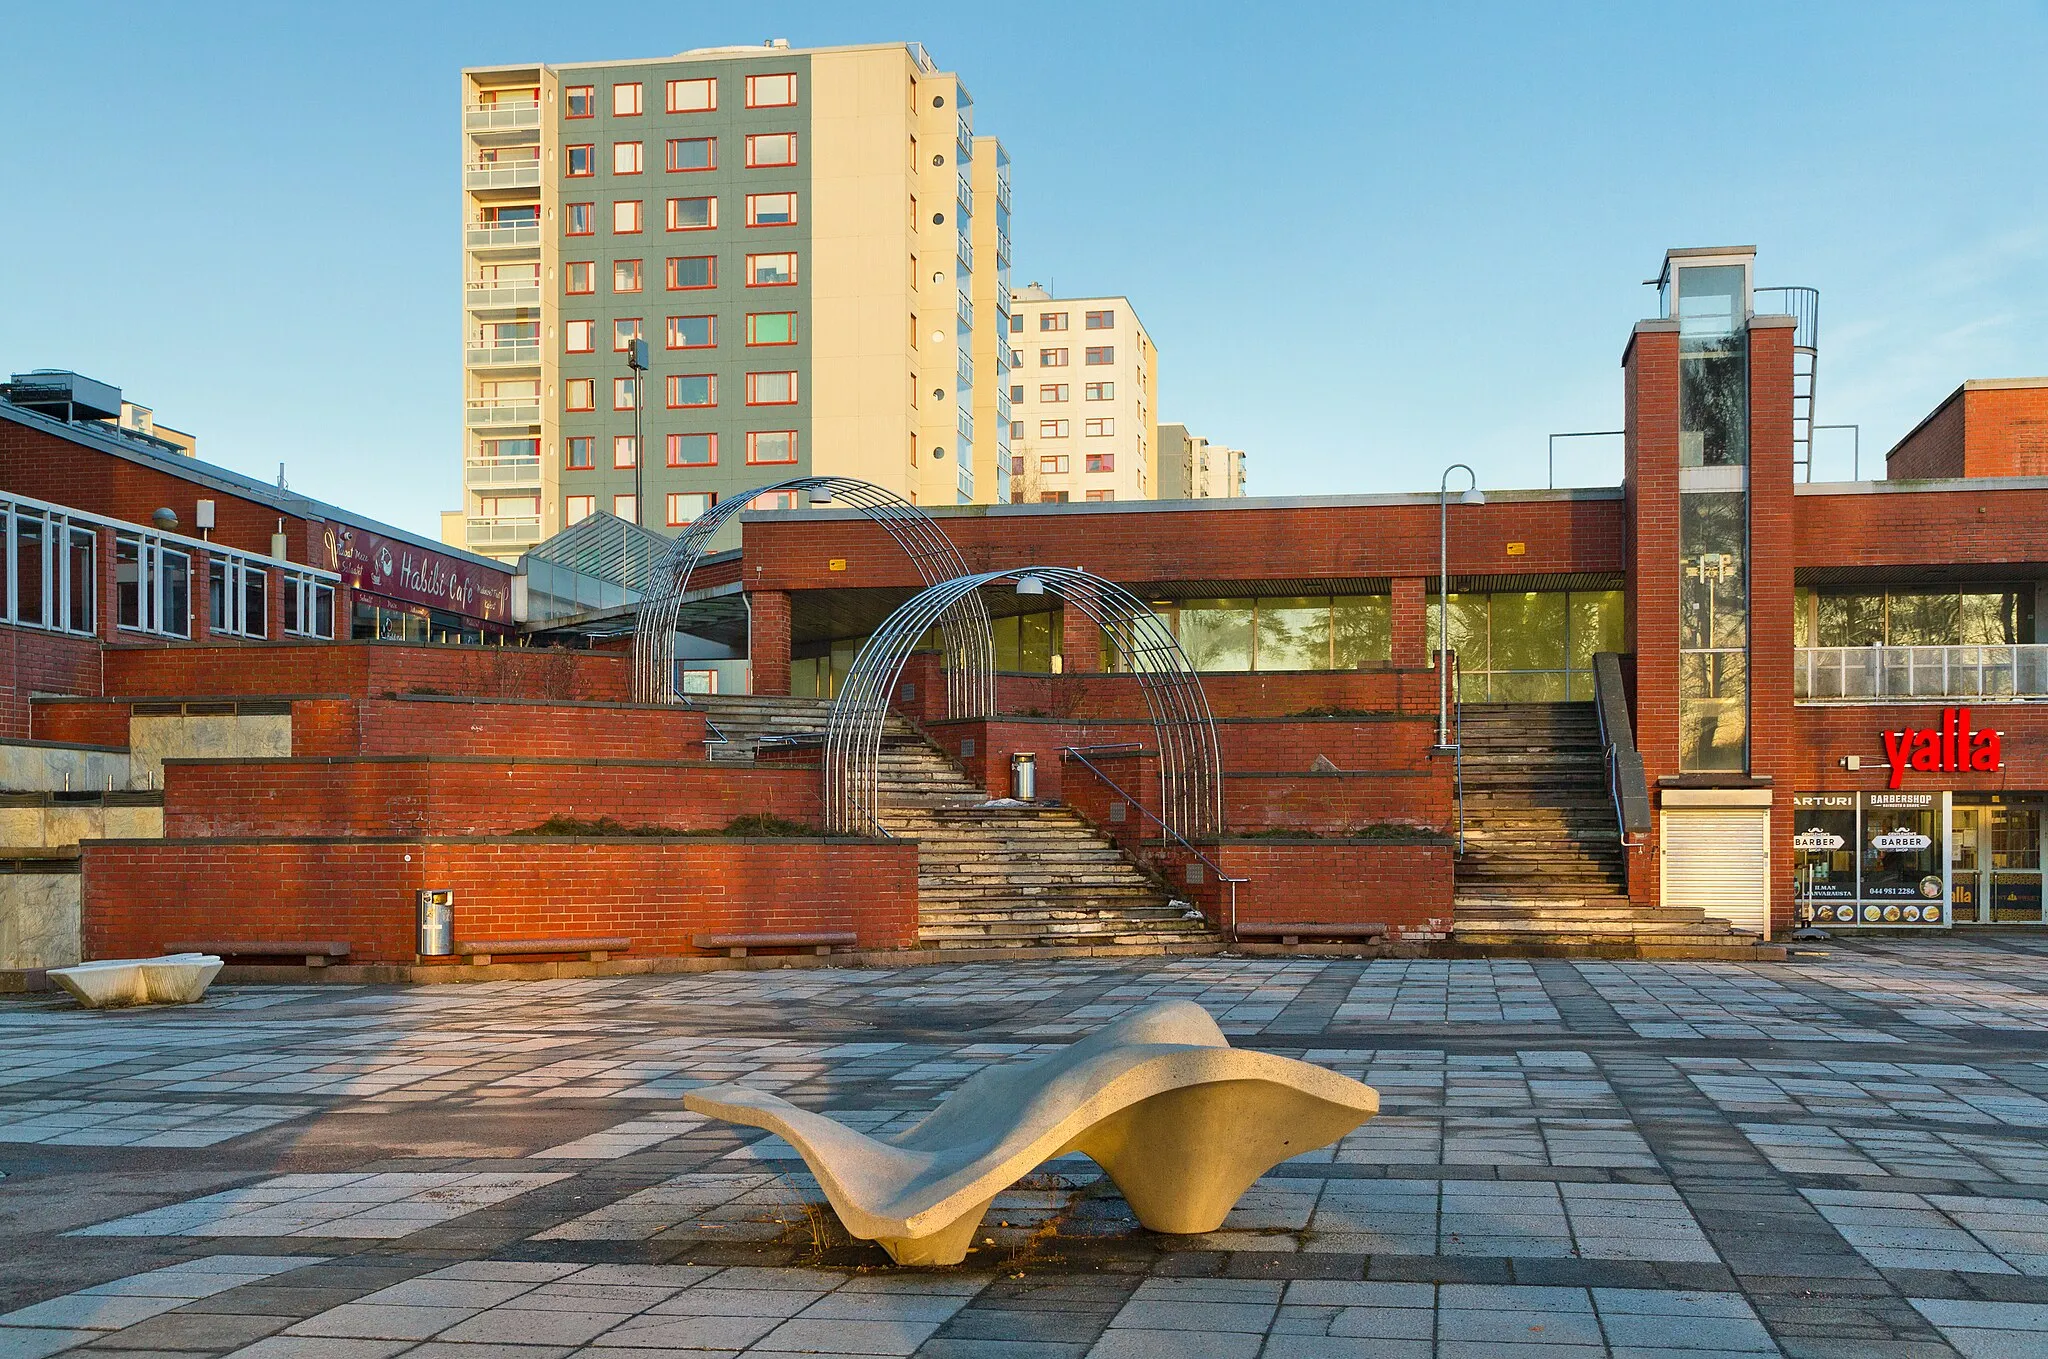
column 70, row 396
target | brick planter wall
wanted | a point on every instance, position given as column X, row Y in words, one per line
column 1403, row 884
column 140, row 894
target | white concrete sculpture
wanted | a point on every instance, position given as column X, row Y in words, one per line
column 174, row 979
column 1180, row 1120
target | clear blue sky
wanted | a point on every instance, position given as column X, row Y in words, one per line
column 1368, row 240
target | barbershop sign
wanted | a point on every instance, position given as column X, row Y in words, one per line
column 385, row 566
column 1951, row 748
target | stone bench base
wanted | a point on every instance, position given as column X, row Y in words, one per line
column 736, row 945
column 479, row 952
column 316, row 952
column 1292, row 934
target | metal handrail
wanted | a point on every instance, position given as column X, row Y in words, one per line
column 1627, row 784
column 1077, row 753
column 1458, row 745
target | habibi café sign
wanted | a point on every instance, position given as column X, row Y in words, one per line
column 385, row 566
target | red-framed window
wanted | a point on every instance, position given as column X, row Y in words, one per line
column 626, row 158
column 1099, row 428
column 1052, row 320
column 625, row 330
column 1052, row 391
column 692, row 332
column 689, row 273
column 580, row 394
column 777, row 91
column 772, row 328
column 579, row 337
column 779, row 500
column 579, row 276
column 693, row 96
column 1052, row 429
column 693, row 450
column 1100, row 353
column 772, row 271
column 579, row 219
column 765, row 446
column 624, row 454
column 686, row 507
column 688, row 154
column 771, row 389
column 1102, row 462
column 626, row 99
column 1100, row 391
column 693, row 214
column 625, row 276
column 771, row 209
column 1099, row 495
column 1052, row 358
column 622, row 393
column 1100, row 320
column 768, row 149
column 579, row 101
column 580, row 458
column 688, row 391
column 626, row 217
column 579, row 162
column 577, row 508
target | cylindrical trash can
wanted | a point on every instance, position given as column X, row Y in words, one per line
column 1024, row 776
column 437, row 922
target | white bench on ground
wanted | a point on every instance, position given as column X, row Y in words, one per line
column 736, row 945
column 1182, row 1122
column 174, row 979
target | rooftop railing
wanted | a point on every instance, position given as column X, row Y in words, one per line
column 1908, row 674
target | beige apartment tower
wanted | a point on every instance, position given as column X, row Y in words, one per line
column 812, row 243
column 1084, row 400
column 1193, row 468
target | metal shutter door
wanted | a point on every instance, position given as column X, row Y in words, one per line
column 1718, row 859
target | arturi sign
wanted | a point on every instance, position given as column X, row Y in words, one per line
column 1951, row 748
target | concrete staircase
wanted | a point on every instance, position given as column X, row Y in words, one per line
column 988, row 877
column 1544, row 869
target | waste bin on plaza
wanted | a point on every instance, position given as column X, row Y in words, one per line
column 1024, row 776
column 437, row 922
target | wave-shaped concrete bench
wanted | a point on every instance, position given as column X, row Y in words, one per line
column 173, row 979
column 1180, row 1120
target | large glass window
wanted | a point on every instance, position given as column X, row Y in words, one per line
column 236, row 597
column 153, row 585
column 1713, row 627
column 1713, row 367
column 1880, row 616
column 1529, row 646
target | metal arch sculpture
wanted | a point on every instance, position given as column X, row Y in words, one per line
column 968, row 639
column 1190, row 764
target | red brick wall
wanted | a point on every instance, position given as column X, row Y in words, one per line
column 45, row 662
column 1650, row 402
column 1987, row 526
column 139, row 895
column 2005, row 431
column 1406, row 886
column 1824, row 733
column 1772, row 539
column 91, row 722
column 768, row 640
column 1935, row 449
column 368, row 668
column 423, row 725
column 418, row 795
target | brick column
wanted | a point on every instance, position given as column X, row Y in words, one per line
column 1410, row 622
column 1080, row 641
column 273, row 604
column 768, row 640
column 1650, row 421
column 200, row 595
column 109, row 597
column 1772, row 740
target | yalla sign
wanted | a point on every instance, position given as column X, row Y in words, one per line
column 1950, row 748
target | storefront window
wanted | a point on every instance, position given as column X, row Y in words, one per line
column 2015, row 834
column 1361, row 631
column 1880, row 617
column 1294, row 634
column 1530, row 646
column 1217, row 634
column 1888, row 870
column 1901, row 862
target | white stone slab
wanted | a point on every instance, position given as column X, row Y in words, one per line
column 173, row 979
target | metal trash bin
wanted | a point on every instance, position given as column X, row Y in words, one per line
column 437, row 922
column 1024, row 776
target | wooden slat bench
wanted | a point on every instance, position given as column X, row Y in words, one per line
column 736, row 945
column 316, row 952
column 481, row 951
column 1292, row 934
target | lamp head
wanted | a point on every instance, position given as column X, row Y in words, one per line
column 1475, row 496
column 1030, row 585
column 820, row 495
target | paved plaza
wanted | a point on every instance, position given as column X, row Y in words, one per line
column 1843, row 1154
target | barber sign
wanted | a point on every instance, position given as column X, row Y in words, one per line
column 1817, row 842
column 1900, row 841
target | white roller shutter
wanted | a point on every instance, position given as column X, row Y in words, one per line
column 1719, row 860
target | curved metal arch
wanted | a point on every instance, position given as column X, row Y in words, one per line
column 965, row 632
column 1190, row 763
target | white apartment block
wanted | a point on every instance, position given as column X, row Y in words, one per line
column 1193, row 468
column 1084, row 401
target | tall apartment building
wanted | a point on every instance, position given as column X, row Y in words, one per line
column 1193, row 468
column 1084, row 400
column 812, row 243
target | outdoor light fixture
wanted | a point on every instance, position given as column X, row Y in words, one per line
column 1030, row 585
column 821, row 495
column 1472, row 496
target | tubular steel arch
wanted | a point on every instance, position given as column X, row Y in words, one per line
column 1190, row 765
column 965, row 633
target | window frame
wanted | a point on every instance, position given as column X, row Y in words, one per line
column 637, row 333
column 790, row 282
column 569, row 268
column 1099, row 427
column 674, row 443
column 711, row 329
column 639, row 158
column 1053, row 358
column 753, row 84
column 624, row 442
column 754, row 160
column 589, row 450
column 710, row 222
column 1099, row 320
column 619, row 383
column 793, row 219
column 1053, row 393
column 589, row 170
column 1050, row 321
column 710, row 390
column 1099, row 462
column 569, row 219
column 709, row 83
column 639, row 216
column 711, row 143
column 1098, row 391
column 572, row 503
column 711, row 273
column 639, row 277
column 710, row 499
column 753, row 443
column 1098, row 355
column 637, row 100
column 753, row 343
column 1055, row 429
column 569, row 94
column 570, row 387
column 569, row 345
column 753, row 387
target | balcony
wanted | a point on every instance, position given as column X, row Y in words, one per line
column 490, row 292
column 1919, row 674
column 499, row 235
column 1003, row 192
column 965, row 311
column 499, row 411
column 505, row 117
column 1002, row 248
column 501, row 472
column 965, row 254
column 502, row 174
column 502, row 533
column 511, row 354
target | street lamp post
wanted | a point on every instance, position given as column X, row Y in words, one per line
column 1472, row 496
